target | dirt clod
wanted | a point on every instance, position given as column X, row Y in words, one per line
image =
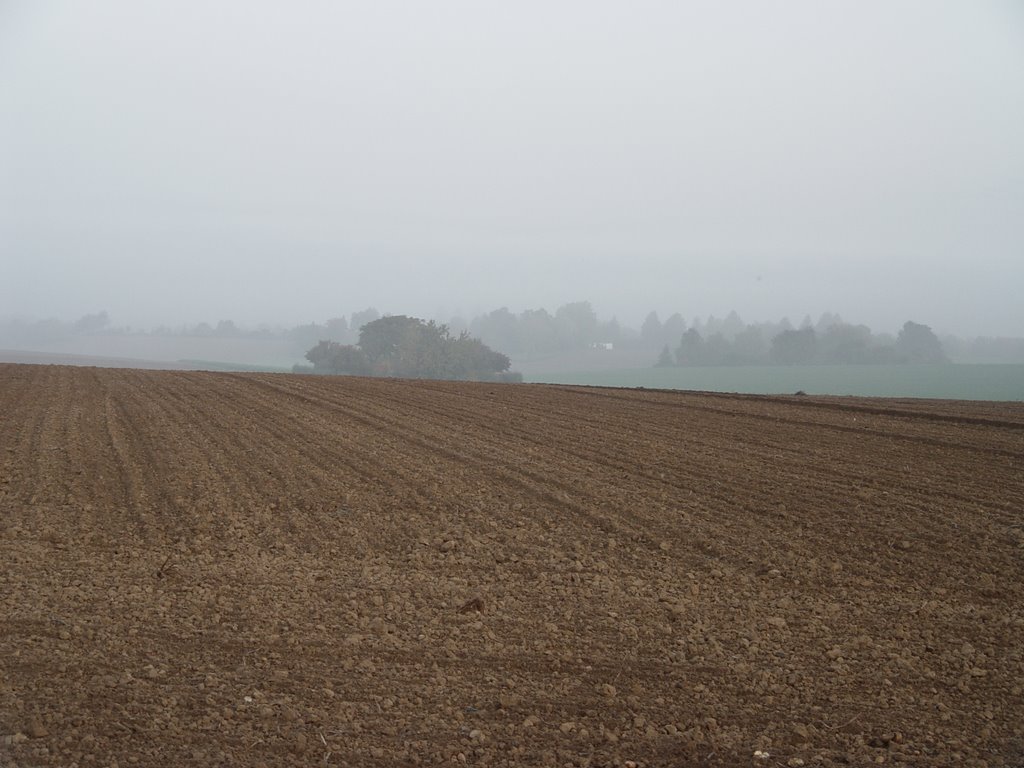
column 473, row 604
column 36, row 729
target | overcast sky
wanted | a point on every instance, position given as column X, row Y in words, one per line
column 286, row 161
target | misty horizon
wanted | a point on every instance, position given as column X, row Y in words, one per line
column 102, row 323
column 287, row 164
column 113, row 324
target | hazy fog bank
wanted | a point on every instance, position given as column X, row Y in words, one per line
column 571, row 337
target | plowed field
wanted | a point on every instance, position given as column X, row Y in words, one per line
column 242, row 569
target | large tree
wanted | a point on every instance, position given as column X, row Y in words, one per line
column 500, row 328
column 795, row 347
column 538, row 331
column 916, row 343
column 843, row 343
column 691, row 348
column 576, row 324
column 650, row 331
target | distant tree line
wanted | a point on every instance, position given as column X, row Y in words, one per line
column 408, row 347
column 837, row 343
column 575, row 326
column 715, row 341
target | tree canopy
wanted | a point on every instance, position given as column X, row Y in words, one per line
column 917, row 343
column 408, row 347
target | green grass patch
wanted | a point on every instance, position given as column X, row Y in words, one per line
column 953, row 382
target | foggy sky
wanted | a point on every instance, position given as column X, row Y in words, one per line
column 284, row 162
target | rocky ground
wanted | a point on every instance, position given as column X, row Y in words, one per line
column 256, row 569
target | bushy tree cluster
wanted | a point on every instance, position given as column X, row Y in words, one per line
column 408, row 347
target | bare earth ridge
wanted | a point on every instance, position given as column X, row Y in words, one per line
column 258, row 569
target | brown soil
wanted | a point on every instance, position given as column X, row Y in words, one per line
column 247, row 569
